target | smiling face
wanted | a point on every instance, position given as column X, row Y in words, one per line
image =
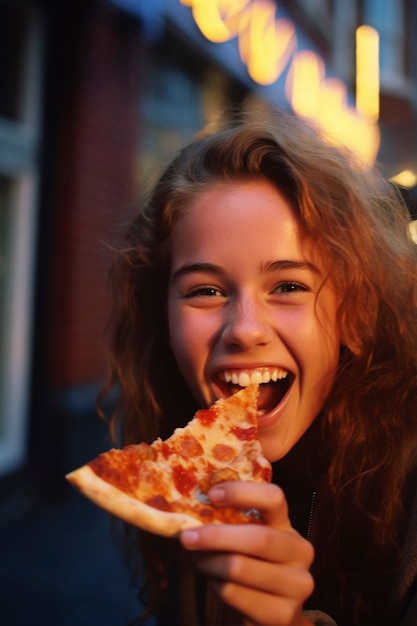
column 248, row 302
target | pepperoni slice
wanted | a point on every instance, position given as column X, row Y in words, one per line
column 184, row 479
column 188, row 446
column 159, row 502
column 207, row 416
column 223, row 452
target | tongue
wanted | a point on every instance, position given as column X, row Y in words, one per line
column 270, row 395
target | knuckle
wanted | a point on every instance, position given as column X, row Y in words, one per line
column 262, row 540
column 287, row 612
column 234, row 567
column 226, row 592
column 302, row 584
column 307, row 585
column 277, row 497
column 308, row 552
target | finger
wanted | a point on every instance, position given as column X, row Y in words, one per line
column 262, row 609
column 266, row 498
column 261, row 542
column 292, row 581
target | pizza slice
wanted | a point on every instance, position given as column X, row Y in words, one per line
column 162, row 487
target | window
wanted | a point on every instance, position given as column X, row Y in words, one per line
column 181, row 93
column 20, row 77
column 321, row 8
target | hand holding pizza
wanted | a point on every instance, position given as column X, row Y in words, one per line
column 262, row 571
column 211, row 481
column 163, row 487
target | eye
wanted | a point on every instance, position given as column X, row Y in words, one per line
column 290, row 287
column 204, row 291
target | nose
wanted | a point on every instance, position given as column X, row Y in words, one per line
column 246, row 324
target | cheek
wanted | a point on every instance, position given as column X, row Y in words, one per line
column 324, row 353
column 175, row 331
column 323, row 365
column 185, row 335
column 331, row 345
column 327, row 329
column 313, row 338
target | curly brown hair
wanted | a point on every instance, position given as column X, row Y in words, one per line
column 361, row 226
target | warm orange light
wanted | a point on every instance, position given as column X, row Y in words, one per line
column 218, row 20
column 302, row 87
column 367, row 72
column 267, row 45
column 405, row 178
column 413, row 230
column 324, row 100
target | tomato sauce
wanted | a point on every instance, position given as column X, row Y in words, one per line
column 184, row 479
column 207, row 416
column 159, row 502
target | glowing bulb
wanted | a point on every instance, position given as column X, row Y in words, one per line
column 367, row 72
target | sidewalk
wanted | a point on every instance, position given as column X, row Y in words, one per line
column 60, row 565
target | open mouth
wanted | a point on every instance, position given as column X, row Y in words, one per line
column 273, row 385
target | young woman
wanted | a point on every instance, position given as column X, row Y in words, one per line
column 264, row 252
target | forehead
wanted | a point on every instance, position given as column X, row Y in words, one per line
column 244, row 216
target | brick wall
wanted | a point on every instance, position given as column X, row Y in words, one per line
column 94, row 184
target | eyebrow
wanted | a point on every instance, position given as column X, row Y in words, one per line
column 289, row 264
column 273, row 266
column 193, row 268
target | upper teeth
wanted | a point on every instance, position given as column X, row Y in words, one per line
column 243, row 379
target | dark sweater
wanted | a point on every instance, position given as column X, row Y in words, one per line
column 302, row 476
column 392, row 593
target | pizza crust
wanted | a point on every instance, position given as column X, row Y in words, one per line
column 138, row 483
column 114, row 501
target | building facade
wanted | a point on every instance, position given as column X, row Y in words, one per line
column 96, row 96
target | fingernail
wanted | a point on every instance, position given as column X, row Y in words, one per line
column 189, row 537
column 216, row 494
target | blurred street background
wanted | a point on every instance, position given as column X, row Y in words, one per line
column 61, row 562
column 95, row 98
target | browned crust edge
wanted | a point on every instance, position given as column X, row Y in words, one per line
column 128, row 508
